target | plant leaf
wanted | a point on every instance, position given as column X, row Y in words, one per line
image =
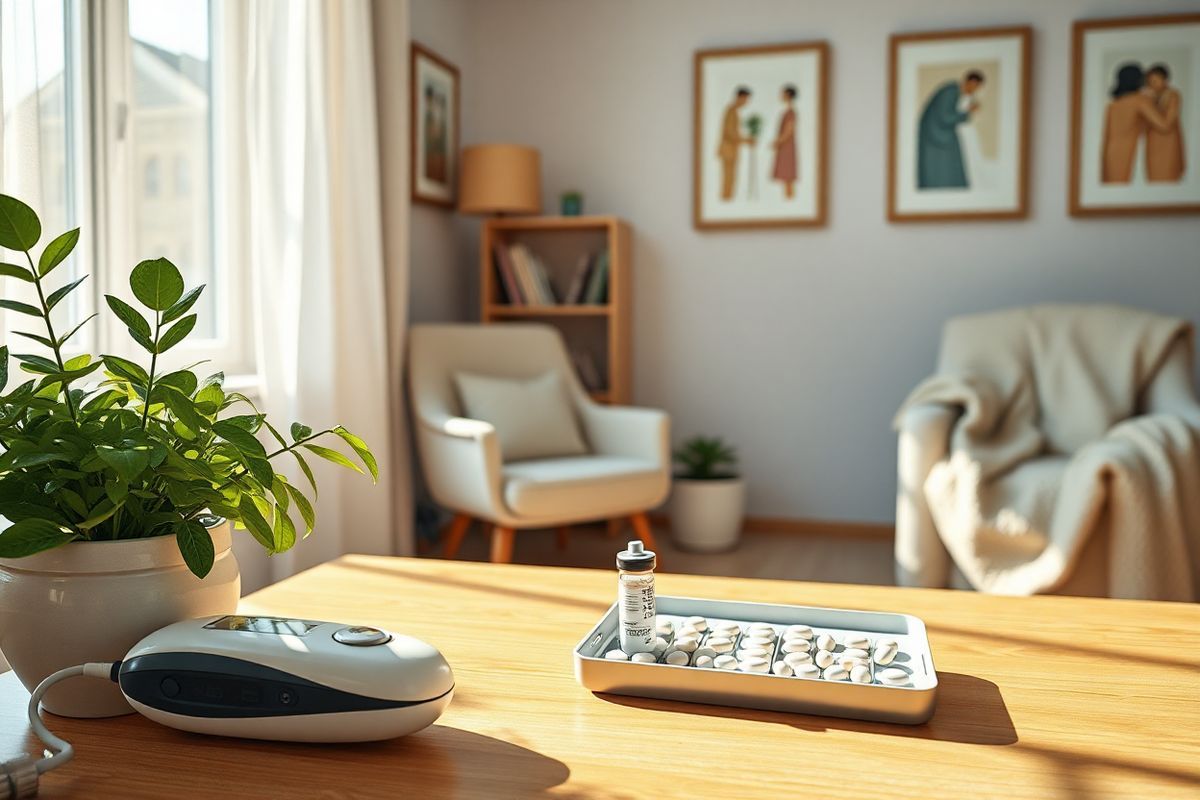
column 361, row 449
column 332, row 455
column 63, row 339
column 129, row 464
column 126, row 369
column 179, row 309
column 306, row 509
column 183, row 380
column 16, row 271
column 156, row 283
column 29, row 536
column 245, row 442
column 39, row 365
column 132, row 318
column 196, row 546
column 58, row 294
column 181, row 406
column 307, row 470
column 101, row 513
column 285, row 531
column 3, row 367
column 177, row 333
column 20, row 227
column 254, row 522
column 58, row 249
column 20, row 308
column 300, row 431
column 42, row 340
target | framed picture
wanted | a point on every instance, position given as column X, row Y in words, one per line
column 959, row 125
column 433, row 128
column 759, row 136
column 1135, row 121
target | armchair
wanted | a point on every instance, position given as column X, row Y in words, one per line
column 625, row 472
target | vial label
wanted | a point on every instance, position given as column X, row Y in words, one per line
column 637, row 615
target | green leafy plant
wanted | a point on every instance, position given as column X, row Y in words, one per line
column 754, row 125
column 103, row 448
column 705, row 458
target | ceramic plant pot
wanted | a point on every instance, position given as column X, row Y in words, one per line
column 706, row 516
column 92, row 601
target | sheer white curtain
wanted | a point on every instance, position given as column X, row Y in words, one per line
column 328, row 341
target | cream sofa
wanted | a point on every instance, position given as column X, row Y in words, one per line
column 625, row 471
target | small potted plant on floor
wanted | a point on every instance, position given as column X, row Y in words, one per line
column 707, row 496
column 118, row 481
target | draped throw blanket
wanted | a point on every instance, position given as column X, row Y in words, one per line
column 1055, row 445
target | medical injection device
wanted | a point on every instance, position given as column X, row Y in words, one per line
column 263, row 678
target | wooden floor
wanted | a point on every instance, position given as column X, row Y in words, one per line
column 800, row 557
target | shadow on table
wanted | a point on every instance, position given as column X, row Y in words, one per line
column 969, row 710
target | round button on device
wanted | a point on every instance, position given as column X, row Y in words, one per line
column 361, row 636
column 169, row 687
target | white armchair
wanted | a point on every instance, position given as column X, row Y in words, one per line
column 625, row 472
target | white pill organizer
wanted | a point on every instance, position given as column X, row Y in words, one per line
column 911, row 701
column 286, row 679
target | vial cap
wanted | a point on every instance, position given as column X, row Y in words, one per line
column 636, row 557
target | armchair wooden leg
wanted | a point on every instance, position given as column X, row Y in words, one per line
column 615, row 526
column 641, row 526
column 562, row 536
column 454, row 533
column 502, row 545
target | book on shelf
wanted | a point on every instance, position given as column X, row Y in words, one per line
column 510, row 292
column 525, row 275
column 583, row 268
column 597, row 286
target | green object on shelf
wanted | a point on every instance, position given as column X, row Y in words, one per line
column 571, row 204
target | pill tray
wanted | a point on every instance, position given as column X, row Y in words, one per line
column 908, row 704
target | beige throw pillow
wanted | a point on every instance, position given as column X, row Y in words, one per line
column 533, row 418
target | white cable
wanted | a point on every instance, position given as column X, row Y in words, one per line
column 19, row 784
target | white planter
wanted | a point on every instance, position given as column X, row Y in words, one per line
column 706, row 516
column 92, row 601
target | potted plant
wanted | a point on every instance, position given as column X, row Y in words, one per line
column 707, row 496
column 119, row 482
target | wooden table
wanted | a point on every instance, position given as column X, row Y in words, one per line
column 1039, row 697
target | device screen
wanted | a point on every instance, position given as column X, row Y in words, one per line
column 277, row 626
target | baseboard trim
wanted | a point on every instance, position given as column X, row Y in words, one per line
column 802, row 527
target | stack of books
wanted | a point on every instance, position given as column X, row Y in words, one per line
column 525, row 281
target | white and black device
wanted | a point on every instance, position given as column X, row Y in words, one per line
column 286, row 679
column 260, row 677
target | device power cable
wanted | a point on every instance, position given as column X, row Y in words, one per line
column 20, row 775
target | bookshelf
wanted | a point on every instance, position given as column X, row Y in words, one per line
column 597, row 331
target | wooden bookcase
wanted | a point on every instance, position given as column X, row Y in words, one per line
column 603, row 330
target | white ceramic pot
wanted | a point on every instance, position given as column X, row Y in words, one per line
column 92, row 601
column 706, row 516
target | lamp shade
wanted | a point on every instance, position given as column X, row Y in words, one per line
column 500, row 179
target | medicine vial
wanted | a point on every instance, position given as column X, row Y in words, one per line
column 635, row 598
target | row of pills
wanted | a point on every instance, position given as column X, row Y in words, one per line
column 758, row 649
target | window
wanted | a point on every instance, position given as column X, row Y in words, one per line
column 110, row 118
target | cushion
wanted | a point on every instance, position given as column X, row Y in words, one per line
column 583, row 488
column 533, row 418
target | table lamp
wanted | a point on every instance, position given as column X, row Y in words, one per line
column 500, row 179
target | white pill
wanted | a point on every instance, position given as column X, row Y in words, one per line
column 702, row 652
column 688, row 630
column 725, row 662
column 826, row 642
column 798, row 659
column 703, row 662
column 727, row 629
column 699, row 623
column 754, row 664
column 861, row 674
column 796, row 646
column 762, row 629
column 687, row 644
column 798, row 631
column 754, row 652
column 807, row 671
column 823, row 659
column 885, row 651
column 854, row 652
column 851, row 663
column 643, row 658
column 857, row 643
column 720, row 643
column 893, row 676
column 665, row 627
column 677, row 658
column 616, row 655
column 835, row 674
column 765, row 644
column 782, row 668
column 660, row 646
